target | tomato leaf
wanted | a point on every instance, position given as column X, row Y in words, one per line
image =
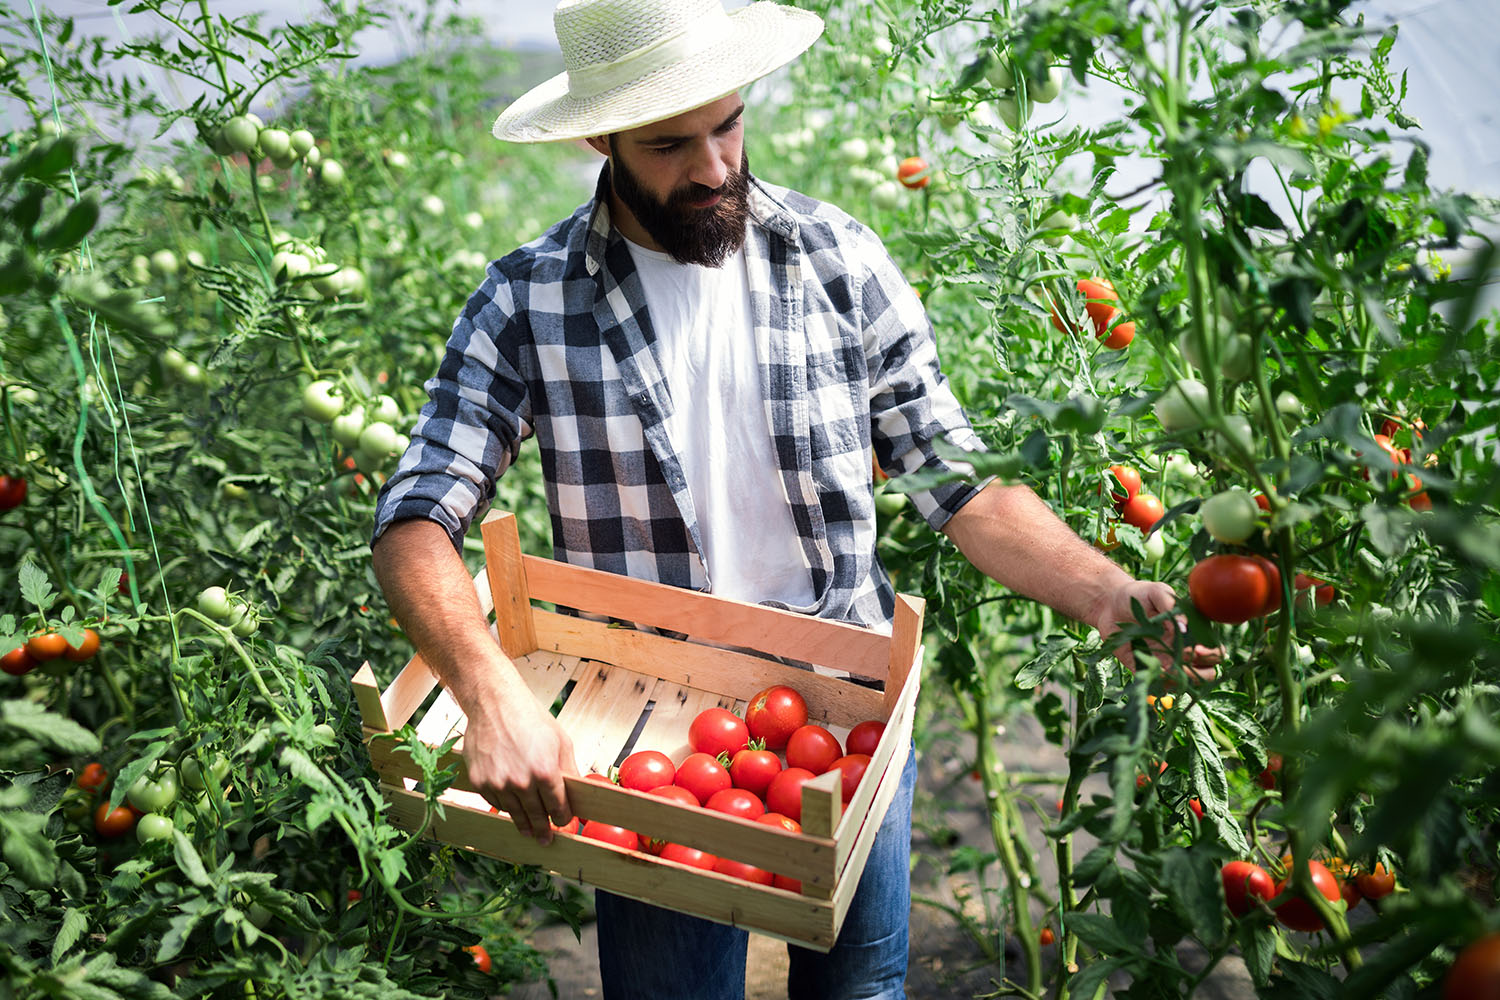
column 188, row 860
column 1091, row 975
column 73, row 227
column 1193, row 874
column 56, row 730
column 69, row 931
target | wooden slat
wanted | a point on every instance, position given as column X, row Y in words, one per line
column 726, row 900
column 673, row 710
column 848, row 882
column 890, row 753
column 715, row 619
column 407, row 692
column 906, row 639
column 602, row 712
column 507, row 584
column 367, row 696
column 707, row 668
column 546, row 673
column 443, row 721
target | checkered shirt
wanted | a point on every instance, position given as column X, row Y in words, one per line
column 557, row 344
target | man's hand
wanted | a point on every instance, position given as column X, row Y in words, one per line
column 516, row 755
column 1114, row 610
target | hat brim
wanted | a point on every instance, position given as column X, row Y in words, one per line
column 763, row 37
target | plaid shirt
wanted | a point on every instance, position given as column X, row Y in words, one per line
column 557, row 343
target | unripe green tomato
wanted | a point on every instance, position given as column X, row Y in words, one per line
column 1156, row 547
column 378, row 439
column 432, row 205
column 329, row 281
column 367, row 463
column 164, row 263
column 352, row 282
column 214, row 602
column 241, row 133
column 1045, row 91
column 1183, row 406
column 997, row 72
column 1236, row 355
column 293, row 264
column 331, row 173
column 312, row 157
column 255, row 120
column 153, row 826
column 192, row 374
column 153, row 795
column 234, row 491
column 301, row 141
column 192, row 771
column 1057, row 219
column 347, row 428
column 1288, row 405
column 140, row 269
column 276, row 144
column 196, row 258
column 1009, row 110
column 887, row 195
column 386, row 410
column 855, row 150
column 1236, row 431
column 321, row 400
column 397, row 160
column 172, row 360
column 247, row 623
column 1230, row 516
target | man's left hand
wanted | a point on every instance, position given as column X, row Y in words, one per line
column 1114, row 610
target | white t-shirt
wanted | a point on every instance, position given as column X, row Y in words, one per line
column 718, row 425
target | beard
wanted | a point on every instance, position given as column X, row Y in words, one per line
column 703, row 236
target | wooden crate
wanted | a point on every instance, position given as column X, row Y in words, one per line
column 637, row 690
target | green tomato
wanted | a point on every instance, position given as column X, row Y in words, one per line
column 352, row 282
column 1230, row 516
column 378, row 440
column 1236, row 355
column 301, row 141
column 1236, row 432
column 240, row 134
column 432, row 205
column 330, row 172
column 234, row 491
column 192, row 771
column 192, row 374
column 153, row 826
column 1057, row 219
column 1010, row 111
column 172, row 360
column 386, row 410
column 1045, row 91
column 276, row 144
column 247, row 625
column 321, row 400
column 164, row 263
column 1156, row 547
column 295, row 265
column 214, row 602
column 347, row 428
column 312, row 157
column 1183, row 406
column 328, row 281
column 367, row 463
column 1289, row 406
column 887, row 195
column 998, row 73
column 150, row 795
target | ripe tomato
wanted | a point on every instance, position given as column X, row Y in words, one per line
column 1142, row 511
column 1322, row 590
column 774, row 714
column 913, row 172
column 814, row 748
column 607, row 834
column 86, row 647
column 852, row 768
column 865, row 737
column 46, row 646
column 753, row 768
column 646, row 769
column 1475, row 974
column 1119, row 337
column 1196, row 807
column 17, row 662
column 1376, row 884
column 1267, row 777
column 702, row 776
column 736, row 802
column 740, row 870
column 481, row 956
column 1348, row 891
column 12, row 492
column 1046, row 937
column 116, row 822
column 1273, row 579
column 690, row 856
column 1263, row 502
column 1242, row 880
column 1129, row 483
column 716, row 731
column 1230, row 588
column 785, row 794
column 674, row 793
column 93, row 777
column 1296, row 912
column 777, row 819
column 1141, row 780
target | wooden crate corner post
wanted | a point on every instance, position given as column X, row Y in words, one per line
column 515, row 626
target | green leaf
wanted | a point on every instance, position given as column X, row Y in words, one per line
column 1103, row 933
column 74, row 923
column 1054, row 650
column 1092, row 974
column 27, row 849
column 73, row 227
column 179, row 929
column 57, row 730
column 1084, row 414
column 36, row 586
column 188, row 859
column 1192, row 878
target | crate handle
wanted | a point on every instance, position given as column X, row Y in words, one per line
column 515, row 626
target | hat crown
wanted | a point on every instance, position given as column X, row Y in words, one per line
column 600, row 32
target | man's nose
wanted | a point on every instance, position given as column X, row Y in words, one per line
column 709, row 167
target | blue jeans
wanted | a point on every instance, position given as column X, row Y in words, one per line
column 648, row 953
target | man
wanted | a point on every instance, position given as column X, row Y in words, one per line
column 706, row 361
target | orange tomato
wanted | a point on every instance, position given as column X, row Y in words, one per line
column 85, row 649
column 913, row 172
column 46, row 646
column 481, row 956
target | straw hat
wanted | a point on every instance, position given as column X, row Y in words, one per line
column 634, row 62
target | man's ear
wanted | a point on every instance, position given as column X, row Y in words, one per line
column 600, row 144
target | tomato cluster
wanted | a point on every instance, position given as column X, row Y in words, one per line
column 734, row 769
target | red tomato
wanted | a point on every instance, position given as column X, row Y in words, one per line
column 753, row 769
column 571, row 826
column 1377, row 884
column 814, row 748
column 646, row 769
column 46, row 646
column 702, row 776
column 774, row 714
column 865, row 737
column 1297, row 913
column 1475, row 974
column 912, row 172
column 1242, row 880
column 12, row 492
column 116, row 822
column 852, row 767
column 740, row 870
column 718, row 731
column 1263, row 502
column 1141, row 781
column 1349, row 891
column 93, row 777
column 1046, row 937
column 1231, row 588
column 785, row 794
column 736, row 802
column 1119, row 337
column 607, row 834
column 17, row 662
column 674, row 793
column 1142, row 511
column 791, row 826
column 85, row 649
column 1128, row 483
column 1322, row 590
column 481, row 956
column 1273, row 578
column 1267, row 777
column 690, row 856
column 354, row 896
column 1196, row 807
column 788, row 883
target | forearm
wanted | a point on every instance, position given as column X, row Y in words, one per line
column 432, row 596
column 1011, row 536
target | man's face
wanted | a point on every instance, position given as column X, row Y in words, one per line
column 685, row 180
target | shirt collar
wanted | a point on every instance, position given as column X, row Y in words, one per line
column 765, row 211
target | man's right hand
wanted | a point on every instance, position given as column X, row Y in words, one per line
column 516, row 755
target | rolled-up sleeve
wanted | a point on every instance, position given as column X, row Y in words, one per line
column 911, row 403
column 469, row 432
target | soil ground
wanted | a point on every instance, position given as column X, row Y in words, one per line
column 945, row 962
